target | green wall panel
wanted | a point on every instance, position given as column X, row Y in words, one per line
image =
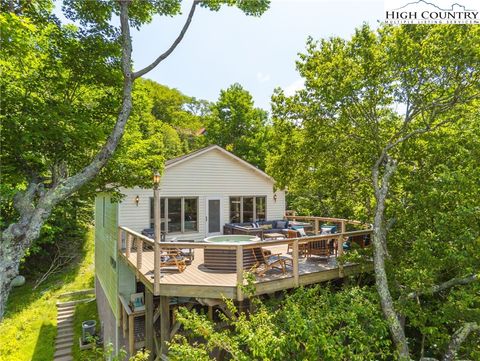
column 106, row 263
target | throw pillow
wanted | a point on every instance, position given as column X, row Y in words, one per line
column 301, row 231
column 266, row 226
column 281, row 224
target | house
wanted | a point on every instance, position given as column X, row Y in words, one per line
column 140, row 281
column 199, row 193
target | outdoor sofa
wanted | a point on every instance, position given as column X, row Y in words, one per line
column 259, row 228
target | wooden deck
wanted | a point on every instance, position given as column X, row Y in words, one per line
column 199, row 281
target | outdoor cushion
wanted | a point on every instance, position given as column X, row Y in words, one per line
column 281, row 224
column 301, row 231
column 266, row 226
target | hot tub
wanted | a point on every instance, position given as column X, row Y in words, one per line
column 226, row 259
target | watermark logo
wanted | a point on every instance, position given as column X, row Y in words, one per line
column 432, row 12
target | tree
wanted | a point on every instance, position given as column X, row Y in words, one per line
column 49, row 178
column 369, row 107
column 316, row 323
column 236, row 125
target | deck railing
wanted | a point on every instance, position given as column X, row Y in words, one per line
column 130, row 241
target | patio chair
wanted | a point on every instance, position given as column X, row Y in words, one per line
column 266, row 262
column 186, row 252
column 319, row 248
column 172, row 257
column 302, row 247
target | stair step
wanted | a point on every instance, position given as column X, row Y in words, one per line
column 64, row 344
column 66, row 308
column 64, row 329
column 63, row 352
column 73, row 303
column 64, row 358
column 66, row 312
column 65, row 334
column 64, row 317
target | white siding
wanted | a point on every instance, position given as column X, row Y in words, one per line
column 211, row 174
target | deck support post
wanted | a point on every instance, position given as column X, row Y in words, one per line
column 156, row 246
column 149, row 332
column 164, row 323
column 239, row 259
column 295, row 263
column 131, row 335
column 316, row 226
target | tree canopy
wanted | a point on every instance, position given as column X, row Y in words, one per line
column 386, row 131
column 236, row 125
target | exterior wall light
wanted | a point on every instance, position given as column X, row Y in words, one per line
column 156, row 179
column 275, row 197
column 137, row 200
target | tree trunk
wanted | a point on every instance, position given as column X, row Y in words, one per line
column 380, row 253
column 35, row 204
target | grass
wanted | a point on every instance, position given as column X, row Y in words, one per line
column 84, row 311
column 29, row 327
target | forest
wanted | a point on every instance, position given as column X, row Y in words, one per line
column 385, row 131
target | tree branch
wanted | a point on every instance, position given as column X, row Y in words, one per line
column 172, row 47
column 445, row 285
column 458, row 338
column 71, row 184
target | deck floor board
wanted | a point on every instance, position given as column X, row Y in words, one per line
column 196, row 274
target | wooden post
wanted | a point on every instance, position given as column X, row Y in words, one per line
column 340, row 240
column 316, row 226
column 210, row 313
column 149, row 333
column 239, row 257
column 139, row 242
column 131, row 336
column 119, row 240
column 164, row 323
column 156, row 246
column 128, row 245
column 340, row 253
column 124, row 322
column 295, row 263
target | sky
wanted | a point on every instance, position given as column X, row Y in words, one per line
column 226, row 47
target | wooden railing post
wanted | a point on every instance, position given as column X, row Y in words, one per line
column 156, row 246
column 340, row 240
column 128, row 245
column 119, row 240
column 316, row 226
column 239, row 260
column 340, row 253
column 295, row 263
column 139, row 243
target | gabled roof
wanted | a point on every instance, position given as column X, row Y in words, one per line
column 175, row 161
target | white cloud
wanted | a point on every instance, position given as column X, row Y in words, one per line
column 290, row 89
column 263, row 78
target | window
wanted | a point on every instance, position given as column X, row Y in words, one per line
column 235, row 209
column 248, row 209
column 174, row 215
column 260, row 210
column 182, row 214
column 190, row 214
